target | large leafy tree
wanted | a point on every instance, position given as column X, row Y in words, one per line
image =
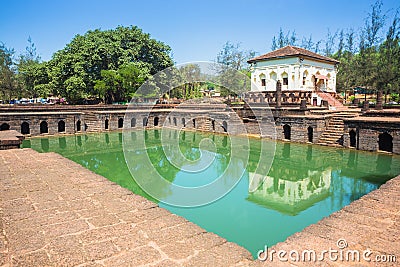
column 84, row 63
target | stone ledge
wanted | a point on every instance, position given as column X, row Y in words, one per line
column 10, row 139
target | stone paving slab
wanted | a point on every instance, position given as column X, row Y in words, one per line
column 54, row 212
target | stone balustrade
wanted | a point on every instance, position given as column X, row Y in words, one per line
column 288, row 97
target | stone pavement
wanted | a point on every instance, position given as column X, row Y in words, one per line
column 371, row 223
column 54, row 212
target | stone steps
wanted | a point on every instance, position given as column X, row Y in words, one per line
column 205, row 126
column 337, row 124
column 92, row 122
column 333, row 134
column 332, row 101
column 335, row 128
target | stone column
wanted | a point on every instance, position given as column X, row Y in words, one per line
column 379, row 105
column 278, row 94
column 303, row 104
column 365, row 106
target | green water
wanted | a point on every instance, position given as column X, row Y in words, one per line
column 304, row 183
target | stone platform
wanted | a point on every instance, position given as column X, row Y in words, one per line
column 10, row 139
column 54, row 212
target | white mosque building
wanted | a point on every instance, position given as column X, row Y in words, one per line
column 297, row 69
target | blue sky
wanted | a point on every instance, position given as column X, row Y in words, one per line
column 195, row 30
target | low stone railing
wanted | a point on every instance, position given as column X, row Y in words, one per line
column 288, row 97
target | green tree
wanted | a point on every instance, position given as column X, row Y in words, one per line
column 75, row 88
column 191, row 74
column 87, row 57
column 9, row 86
column 388, row 60
column 290, row 38
column 330, row 43
column 307, row 43
column 32, row 74
column 120, row 85
column 232, row 61
column 368, row 56
column 341, row 44
column 133, row 75
column 233, row 57
column 109, row 86
column 347, row 77
column 171, row 83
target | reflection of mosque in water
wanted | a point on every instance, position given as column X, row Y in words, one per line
column 290, row 196
column 291, row 185
column 301, row 176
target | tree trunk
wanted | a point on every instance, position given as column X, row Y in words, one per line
column 386, row 94
column 365, row 94
column 379, row 105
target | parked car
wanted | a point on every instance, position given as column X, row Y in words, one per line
column 24, row 101
column 14, row 101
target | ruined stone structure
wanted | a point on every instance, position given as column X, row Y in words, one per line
column 205, row 117
column 372, row 131
column 49, row 122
